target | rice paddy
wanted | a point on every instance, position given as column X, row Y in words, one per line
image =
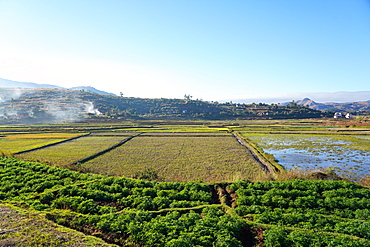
column 347, row 155
column 22, row 142
column 198, row 151
column 180, row 158
column 72, row 151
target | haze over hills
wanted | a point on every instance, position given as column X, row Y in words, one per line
column 352, row 103
column 350, row 106
column 4, row 83
column 323, row 97
column 50, row 105
column 17, row 84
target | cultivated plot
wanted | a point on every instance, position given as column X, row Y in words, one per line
column 180, row 158
column 72, row 151
column 23, row 142
column 348, row 155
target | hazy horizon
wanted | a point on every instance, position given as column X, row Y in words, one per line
column 319, row 97
column 212, row 50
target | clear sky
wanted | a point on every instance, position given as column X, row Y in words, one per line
column 210, row 49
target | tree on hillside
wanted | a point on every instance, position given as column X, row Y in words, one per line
column 188, row 97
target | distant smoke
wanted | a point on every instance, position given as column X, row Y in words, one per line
column 9, row 94
column 89, row 108
column 62, row 107
column 70, row 112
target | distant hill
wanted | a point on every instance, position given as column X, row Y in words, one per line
column 350, row 106
column 65, row 105
column 92, row 90
column 16, row 84
column 4, row 83
column 324, row 97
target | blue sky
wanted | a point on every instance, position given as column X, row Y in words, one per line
column 210, row 49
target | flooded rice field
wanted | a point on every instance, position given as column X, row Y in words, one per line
column 347, row 155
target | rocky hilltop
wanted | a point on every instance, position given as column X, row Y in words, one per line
column 350, row 106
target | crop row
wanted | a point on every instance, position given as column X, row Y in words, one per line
column 147, row 213
column 338, row 207
column 209, row 227
column 114, row 206
column 51, row 187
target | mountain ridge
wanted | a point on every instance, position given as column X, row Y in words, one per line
column 348, row 106
column 5, row 83
column 327, row 106
column 64, row 105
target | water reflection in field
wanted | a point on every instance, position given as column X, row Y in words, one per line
column 348, row 155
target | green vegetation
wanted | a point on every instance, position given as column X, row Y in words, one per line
column 57, row 105
column 132, row 212
column 306, row 213
column 27, row 227
column 39, row 200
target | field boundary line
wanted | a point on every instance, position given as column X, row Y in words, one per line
column 93, row 156
column 166, row 210
column 52, row 144
column 265, row 164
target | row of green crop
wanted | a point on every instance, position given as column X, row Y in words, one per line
column 115, row 205
column 133, row 212
column 305, row 208
column 54, row 188
column 210, row 227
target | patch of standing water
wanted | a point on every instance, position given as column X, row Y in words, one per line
column 315, row 153
column 364, row 137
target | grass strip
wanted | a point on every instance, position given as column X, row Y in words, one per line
column 263, row 158
column 27, row 227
